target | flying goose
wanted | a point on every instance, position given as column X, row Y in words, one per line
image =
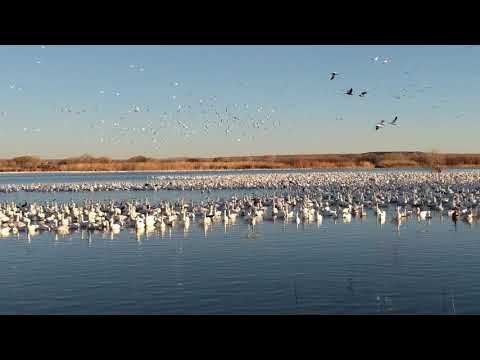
column 381, row 124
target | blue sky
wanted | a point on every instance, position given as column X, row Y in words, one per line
column 271, row 100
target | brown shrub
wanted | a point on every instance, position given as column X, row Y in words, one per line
column 397, row 163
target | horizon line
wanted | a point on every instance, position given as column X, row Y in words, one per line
column 87, row 155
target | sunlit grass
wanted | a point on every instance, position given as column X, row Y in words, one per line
column 139, row 163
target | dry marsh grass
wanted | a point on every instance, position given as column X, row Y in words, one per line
column 138, row 163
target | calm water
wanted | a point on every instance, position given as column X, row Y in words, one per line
column 424, row 267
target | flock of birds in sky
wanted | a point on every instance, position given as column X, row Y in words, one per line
column 239, row 121
column 234, row 120
column 349, row 92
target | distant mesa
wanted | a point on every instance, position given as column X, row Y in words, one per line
column 139, row 158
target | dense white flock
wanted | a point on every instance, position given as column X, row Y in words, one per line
column 406, row 181
column 298, row 197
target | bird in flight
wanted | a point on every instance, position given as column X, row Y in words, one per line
column 349, row 92
column 332, row 75
column 381, row 124
column 394, row 121
column 363, row 93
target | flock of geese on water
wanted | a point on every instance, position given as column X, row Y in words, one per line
column 310, row 198
column 326, row 182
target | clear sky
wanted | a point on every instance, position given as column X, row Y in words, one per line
column 167, row 101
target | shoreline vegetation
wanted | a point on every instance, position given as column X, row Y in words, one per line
column 433, row 160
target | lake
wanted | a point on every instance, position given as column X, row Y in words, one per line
column 361, row 267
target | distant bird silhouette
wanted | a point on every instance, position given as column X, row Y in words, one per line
column 394, row 121
column 332, row 75
column 363, row 93
column 349, row 92
column 381, row 124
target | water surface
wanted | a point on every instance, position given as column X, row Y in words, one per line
column 362, row 267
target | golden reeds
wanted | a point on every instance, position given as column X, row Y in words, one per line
column 137, row 163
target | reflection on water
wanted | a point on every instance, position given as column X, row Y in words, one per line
column 357, row 266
